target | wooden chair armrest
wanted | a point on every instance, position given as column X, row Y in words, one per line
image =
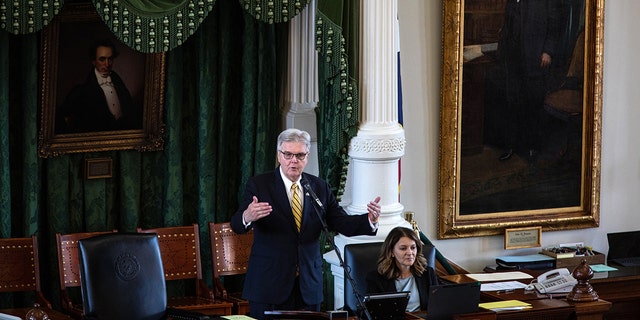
column 220, row 290
column 42, row 301
column 65, row 300
column 203, row 290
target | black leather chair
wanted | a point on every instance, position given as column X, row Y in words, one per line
column 122, row 277
column 361, row 258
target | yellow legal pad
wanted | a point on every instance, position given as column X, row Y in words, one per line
column 505, row 305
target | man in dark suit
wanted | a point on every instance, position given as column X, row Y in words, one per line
column 102, row 102
column 528, row 43
column 285, row 265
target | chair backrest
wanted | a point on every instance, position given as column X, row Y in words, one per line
column 229, row 250
column 69, row 269
column 68, row 263
column 122, row 277
column 361, row 258
column 19, row 267
column 576, row 66
column 180, row 249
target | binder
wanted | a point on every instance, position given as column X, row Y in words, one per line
column 531, row 262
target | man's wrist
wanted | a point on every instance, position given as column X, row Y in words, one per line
column 244, row 222
column 374, row 225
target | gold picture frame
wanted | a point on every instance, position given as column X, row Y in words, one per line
column 65, row 65
column 467, row 208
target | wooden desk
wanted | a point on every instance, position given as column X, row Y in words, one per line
column 622, row 288
column 543, row 305
column 550, row 309
column 21, row 312
column 480, row 315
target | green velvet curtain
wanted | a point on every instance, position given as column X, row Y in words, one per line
column 338, row 117
column 20, row 167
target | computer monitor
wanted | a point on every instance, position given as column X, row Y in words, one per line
column 387, row 306
column 446, row 300
column 624, row 248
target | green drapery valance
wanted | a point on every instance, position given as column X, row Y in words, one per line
column 144, row 25
column 271, row 11
column 153, row 25
column 22, row 17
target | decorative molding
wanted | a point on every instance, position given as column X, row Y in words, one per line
column 380, row 146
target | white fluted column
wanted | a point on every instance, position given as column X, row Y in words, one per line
column 301, row 95
column 376, row 150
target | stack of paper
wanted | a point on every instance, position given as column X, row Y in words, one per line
column 499, row 276
column 505, row 305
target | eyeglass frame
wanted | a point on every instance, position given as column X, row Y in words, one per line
column 289, row 155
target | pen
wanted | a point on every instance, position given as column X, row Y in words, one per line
column 504, row 291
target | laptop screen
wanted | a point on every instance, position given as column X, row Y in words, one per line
column 465, row 295
column 623, row 245
column 387, row 306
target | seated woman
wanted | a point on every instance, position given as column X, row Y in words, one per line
column 403, row 267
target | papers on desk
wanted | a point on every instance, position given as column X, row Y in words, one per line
column 505, row 305
column 502, row 287
column 499, row 276
column 500, row 281
column 602, row 268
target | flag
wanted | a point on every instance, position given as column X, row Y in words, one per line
column 400, row 120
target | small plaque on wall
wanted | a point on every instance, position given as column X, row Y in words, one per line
column 517, row 238
column 98, row 168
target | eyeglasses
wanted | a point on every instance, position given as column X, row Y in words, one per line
column 289, row 155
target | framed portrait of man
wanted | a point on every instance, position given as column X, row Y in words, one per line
column 97, row 93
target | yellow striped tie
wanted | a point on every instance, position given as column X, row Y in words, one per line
column 296, row 205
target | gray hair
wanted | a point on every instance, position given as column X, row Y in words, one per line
column 294, row 135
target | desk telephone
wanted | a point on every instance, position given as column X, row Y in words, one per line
column 554, row 281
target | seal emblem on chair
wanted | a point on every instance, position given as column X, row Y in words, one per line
column 127, row 267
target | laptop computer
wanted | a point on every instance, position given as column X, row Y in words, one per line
column 624, row 248
column 387, row 306
column 446, row 300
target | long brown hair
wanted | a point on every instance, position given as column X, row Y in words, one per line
column 387, row 263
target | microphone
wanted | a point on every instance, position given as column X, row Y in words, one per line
column 306, row 186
